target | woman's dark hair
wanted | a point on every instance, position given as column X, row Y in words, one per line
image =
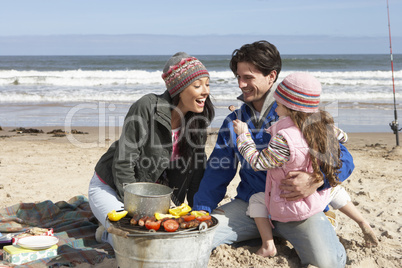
column 262, row 54
column 194, row 123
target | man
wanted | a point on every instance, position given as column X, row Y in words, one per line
column 257, row 67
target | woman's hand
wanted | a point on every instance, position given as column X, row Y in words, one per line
column 240, row 127
column 299, row 185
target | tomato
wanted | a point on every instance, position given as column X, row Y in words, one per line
column 188, row 217
column 204, row 217
column 171, row 225
column 154, row 225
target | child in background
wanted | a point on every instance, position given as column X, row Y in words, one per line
column 304, row 139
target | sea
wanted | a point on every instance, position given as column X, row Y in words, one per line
column 358, row 90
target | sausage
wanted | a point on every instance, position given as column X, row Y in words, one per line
column 150, row 218
column 141, row 222
column 134, row 220
column 180, row 220
column 189, row 224
column 209, row 223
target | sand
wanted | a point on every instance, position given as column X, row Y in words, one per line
column 38, row 167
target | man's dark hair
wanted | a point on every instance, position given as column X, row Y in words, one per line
column 262, row 54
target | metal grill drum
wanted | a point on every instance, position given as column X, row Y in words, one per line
column 183, row 248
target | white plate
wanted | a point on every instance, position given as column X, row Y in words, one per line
column 38, row 242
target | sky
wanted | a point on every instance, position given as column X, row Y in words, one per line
column 118, row 27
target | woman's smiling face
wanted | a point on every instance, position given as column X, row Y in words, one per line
column 193, row 97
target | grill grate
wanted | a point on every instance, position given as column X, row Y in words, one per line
column 124, row 224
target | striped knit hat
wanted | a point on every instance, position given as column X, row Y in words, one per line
column 300, row 92
column 180, row 71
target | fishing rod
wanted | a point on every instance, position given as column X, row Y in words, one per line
column 394, row 125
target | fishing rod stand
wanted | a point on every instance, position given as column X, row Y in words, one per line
column 395, row 128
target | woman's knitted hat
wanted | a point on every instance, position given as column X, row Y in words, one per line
column 180, row 71
column 300, row 92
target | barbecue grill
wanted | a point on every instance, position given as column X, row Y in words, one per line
column 135, row 246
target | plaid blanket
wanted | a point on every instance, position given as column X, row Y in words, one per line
column 72, row 222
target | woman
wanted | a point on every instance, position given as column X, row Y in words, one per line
column 162, row 141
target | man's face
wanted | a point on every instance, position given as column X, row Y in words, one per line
column 254, row 84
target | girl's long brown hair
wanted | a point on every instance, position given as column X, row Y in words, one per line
column 318, row 130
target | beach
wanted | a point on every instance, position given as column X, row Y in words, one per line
column 39, row 166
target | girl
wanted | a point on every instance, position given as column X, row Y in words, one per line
column 304, row 139
column 162, row 141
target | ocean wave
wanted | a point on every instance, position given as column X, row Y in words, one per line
column 127, row 96
column 129, row 85
column 82, row 78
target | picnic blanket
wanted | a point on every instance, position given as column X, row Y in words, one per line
column 72, row 222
